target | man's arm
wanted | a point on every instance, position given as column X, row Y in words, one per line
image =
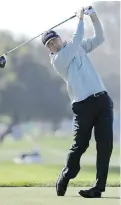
column 63, row 58
column 90, row 44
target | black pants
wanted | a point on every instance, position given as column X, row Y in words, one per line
column 94, row 112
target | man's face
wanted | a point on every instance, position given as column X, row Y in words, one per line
column 55, row 45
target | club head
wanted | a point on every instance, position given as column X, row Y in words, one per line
column 2, row 61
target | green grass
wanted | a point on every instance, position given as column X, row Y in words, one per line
column 54, row 152
column 46, row 175
column 47, row 196
column 62, row 143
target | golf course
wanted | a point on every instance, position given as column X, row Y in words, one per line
column 46, row 196
column 35, row 183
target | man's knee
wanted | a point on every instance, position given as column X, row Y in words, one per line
column 72, row 167
column 80, row 147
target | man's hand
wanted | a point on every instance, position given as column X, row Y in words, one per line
column 89, row 11
column 80, row 14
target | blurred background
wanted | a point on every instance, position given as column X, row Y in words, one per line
column 35, row 110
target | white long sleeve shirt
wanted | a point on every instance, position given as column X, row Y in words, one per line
column 74, row 66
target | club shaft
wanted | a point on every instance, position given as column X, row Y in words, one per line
column 10, row 51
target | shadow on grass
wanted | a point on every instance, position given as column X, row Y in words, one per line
column 108, row 197
column 111, row 197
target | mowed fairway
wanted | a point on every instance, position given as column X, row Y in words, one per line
column 46, row 175
column 47, row 196
column 34, row 184
column 54, row 151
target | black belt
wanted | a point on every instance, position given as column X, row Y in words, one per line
column 98, row 94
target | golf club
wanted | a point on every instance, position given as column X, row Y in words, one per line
column 3, row 59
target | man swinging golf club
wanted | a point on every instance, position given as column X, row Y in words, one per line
column 91, row 104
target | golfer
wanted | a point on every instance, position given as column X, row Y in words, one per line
column 91, row 104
